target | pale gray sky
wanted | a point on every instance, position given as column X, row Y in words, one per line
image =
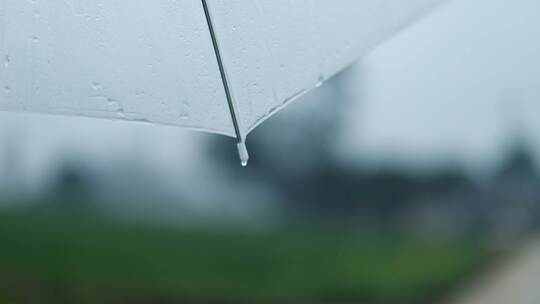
column 453, row 87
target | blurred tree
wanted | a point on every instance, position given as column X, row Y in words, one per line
column 515, row 194
column 519, row 162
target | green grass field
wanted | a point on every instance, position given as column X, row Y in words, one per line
column 53, row 259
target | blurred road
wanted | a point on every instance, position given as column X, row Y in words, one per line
column 516, row 281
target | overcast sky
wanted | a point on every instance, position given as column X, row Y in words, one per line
column 454, row 87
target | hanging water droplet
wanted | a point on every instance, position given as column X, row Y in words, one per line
column 243, row 153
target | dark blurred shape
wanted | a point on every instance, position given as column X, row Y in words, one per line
column 73, row 188
column 519, row 164
column 514, row 195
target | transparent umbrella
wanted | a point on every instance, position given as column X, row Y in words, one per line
column 221, row 66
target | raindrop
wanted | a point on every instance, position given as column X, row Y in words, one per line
column 113, row 103
column 184, row 111
column 7, row 90
column 320, row 81
column 96, row 86
column 120, row 113
column 7, row 61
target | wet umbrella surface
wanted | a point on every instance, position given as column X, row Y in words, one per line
column 215, row 66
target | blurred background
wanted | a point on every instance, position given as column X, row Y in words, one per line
column 412, row 177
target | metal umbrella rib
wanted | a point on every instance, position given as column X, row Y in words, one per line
column 244, row 157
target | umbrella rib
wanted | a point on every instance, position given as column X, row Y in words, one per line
column 242, row 150
column 222, row 71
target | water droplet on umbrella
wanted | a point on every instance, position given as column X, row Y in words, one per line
column 184, row 111
column 7, row 61
column 320, row 81
column 96, row 86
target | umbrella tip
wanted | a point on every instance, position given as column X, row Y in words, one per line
column 243, row 152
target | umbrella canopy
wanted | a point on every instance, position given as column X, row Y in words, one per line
column 221, row 66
